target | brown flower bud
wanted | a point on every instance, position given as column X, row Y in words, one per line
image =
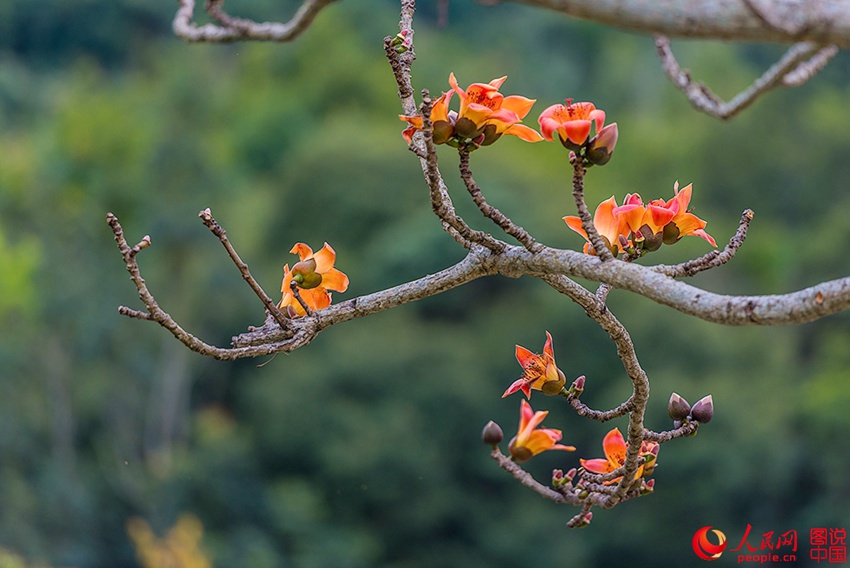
column 492, row 434
column 678, row 408
column 703, row 410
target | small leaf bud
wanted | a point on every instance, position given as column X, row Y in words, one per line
column 577, row 387
column 678, row 408
column 703, row 410
column 492, row 434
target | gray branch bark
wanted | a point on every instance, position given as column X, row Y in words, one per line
column 780, row 21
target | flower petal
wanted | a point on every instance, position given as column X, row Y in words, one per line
column 523, row 132
column 302, row 250
column 615, row 448
column 518, row 104
column 597, row 465
column 335, row 280
column 324, row 258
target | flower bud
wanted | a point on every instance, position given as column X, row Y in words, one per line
column 647, row 487
column 703, row 410
column 678, row 408
column 492, row 434
column 577, row 387
column 570, row 475
column 601, row 148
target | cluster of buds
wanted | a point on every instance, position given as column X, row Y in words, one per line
column 681, row 412
column 403, row 41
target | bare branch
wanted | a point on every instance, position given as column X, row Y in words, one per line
column 801, row 62
column 823, row 22
column 713, row 258
column 237, row 29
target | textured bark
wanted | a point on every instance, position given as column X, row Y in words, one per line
column 780, row 21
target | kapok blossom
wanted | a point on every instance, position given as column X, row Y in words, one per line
column 610, row 226
column 615, row 449
column 572, row 122
column 663, row 221
column 484, row 116
column 531, row 440
column 314, row 275
column 539, row 372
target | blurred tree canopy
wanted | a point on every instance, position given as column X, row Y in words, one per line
column 363, row 449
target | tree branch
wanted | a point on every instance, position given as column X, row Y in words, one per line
column 238, row 29
column 820, row 21
column 801, row 62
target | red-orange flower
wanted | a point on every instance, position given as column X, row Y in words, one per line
column 608, row 224
column 485, row 115
column 662, row 221
column 314, row 275
column 531, row 440
column 615, row 449
column 539, row 372
column 572, row 122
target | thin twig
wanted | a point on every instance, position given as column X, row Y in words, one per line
column 596, row 241
column 492, row 213
column 713, row 258
column 236, row 29
column 210, row 222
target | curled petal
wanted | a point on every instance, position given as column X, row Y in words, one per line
column 302, row 250
column 324, row 258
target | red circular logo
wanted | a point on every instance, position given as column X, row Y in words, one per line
column 705, row 549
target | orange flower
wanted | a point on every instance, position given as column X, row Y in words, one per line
column 314, row 275
column 539, row 372
column 615, row 449
column 531, row 440
column 572, row 122
column 484, row 116
column 608, row 224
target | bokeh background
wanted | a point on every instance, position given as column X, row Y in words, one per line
column 363, row 449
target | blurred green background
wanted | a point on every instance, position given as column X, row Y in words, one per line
column 363, row 449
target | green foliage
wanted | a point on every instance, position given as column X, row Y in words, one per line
column 362, row 449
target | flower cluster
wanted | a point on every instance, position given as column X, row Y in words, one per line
column 310, row 279
column 485, row 115
column 541, row 373
column 639, row 228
